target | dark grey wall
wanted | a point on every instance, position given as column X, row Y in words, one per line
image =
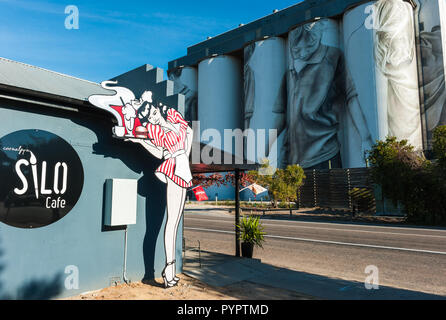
column 32, row 262
column 149, row 78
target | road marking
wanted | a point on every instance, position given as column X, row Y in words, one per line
column 327, row 241
column 442, row 229
column 334, row 229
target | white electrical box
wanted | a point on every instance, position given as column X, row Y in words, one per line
column 120, row 202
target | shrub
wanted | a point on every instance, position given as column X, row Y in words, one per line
column 407, row 177
column 284, row 205
column 439, row 145
column 393, row 164
column 251, row 230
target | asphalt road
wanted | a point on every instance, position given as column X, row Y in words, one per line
column 406, row 257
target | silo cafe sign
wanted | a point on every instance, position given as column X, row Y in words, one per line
column 41, row 178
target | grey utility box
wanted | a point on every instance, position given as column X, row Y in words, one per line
column 120, row 202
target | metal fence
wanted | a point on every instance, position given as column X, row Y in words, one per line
column 338, row 189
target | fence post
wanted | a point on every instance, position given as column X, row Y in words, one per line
column 298, row 198
column 314, row 188
column 237, row 212
column 349, row 189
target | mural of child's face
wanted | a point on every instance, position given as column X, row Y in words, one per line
column 395, row 33
column 306, row 40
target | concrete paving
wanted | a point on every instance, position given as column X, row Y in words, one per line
column 412, row 258
column 221, row 270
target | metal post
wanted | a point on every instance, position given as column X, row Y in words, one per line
column 237, row 213
column 314, row 188
column 124, row 272
column 184, row 239
column 349, row 190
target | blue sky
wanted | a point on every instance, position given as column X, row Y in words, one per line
column 116, row 36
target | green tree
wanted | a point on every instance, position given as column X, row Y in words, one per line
column 282, row 184
column 291, row 178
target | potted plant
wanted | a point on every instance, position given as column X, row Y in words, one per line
column 251, row 234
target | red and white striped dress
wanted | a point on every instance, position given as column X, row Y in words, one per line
column 174, row 144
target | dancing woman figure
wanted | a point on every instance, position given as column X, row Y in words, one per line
column 170, row 137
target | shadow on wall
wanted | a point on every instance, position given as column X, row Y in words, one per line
column 2, row 267
column 137, row 159
column 35, row 289
column 149, row 187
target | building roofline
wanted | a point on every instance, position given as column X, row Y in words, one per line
column 44, row 99
column 276, row 24
column 24, row 82
column 41, row 95
column 47, row 70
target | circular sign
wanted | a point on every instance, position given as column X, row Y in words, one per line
column 41, row 178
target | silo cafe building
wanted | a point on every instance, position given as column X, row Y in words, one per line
column 83, row 203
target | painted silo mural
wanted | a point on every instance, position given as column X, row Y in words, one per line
column 219, row 97
column 358, row 47
column 320, row 88
column 333, row 86
column 186, row 83
column 431, row 22
column 265, row 96
column 396, row 72
column 380, row 53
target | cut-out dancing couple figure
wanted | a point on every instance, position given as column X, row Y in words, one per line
column 170, row 137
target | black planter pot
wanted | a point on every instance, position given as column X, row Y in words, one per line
column 247, row 249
